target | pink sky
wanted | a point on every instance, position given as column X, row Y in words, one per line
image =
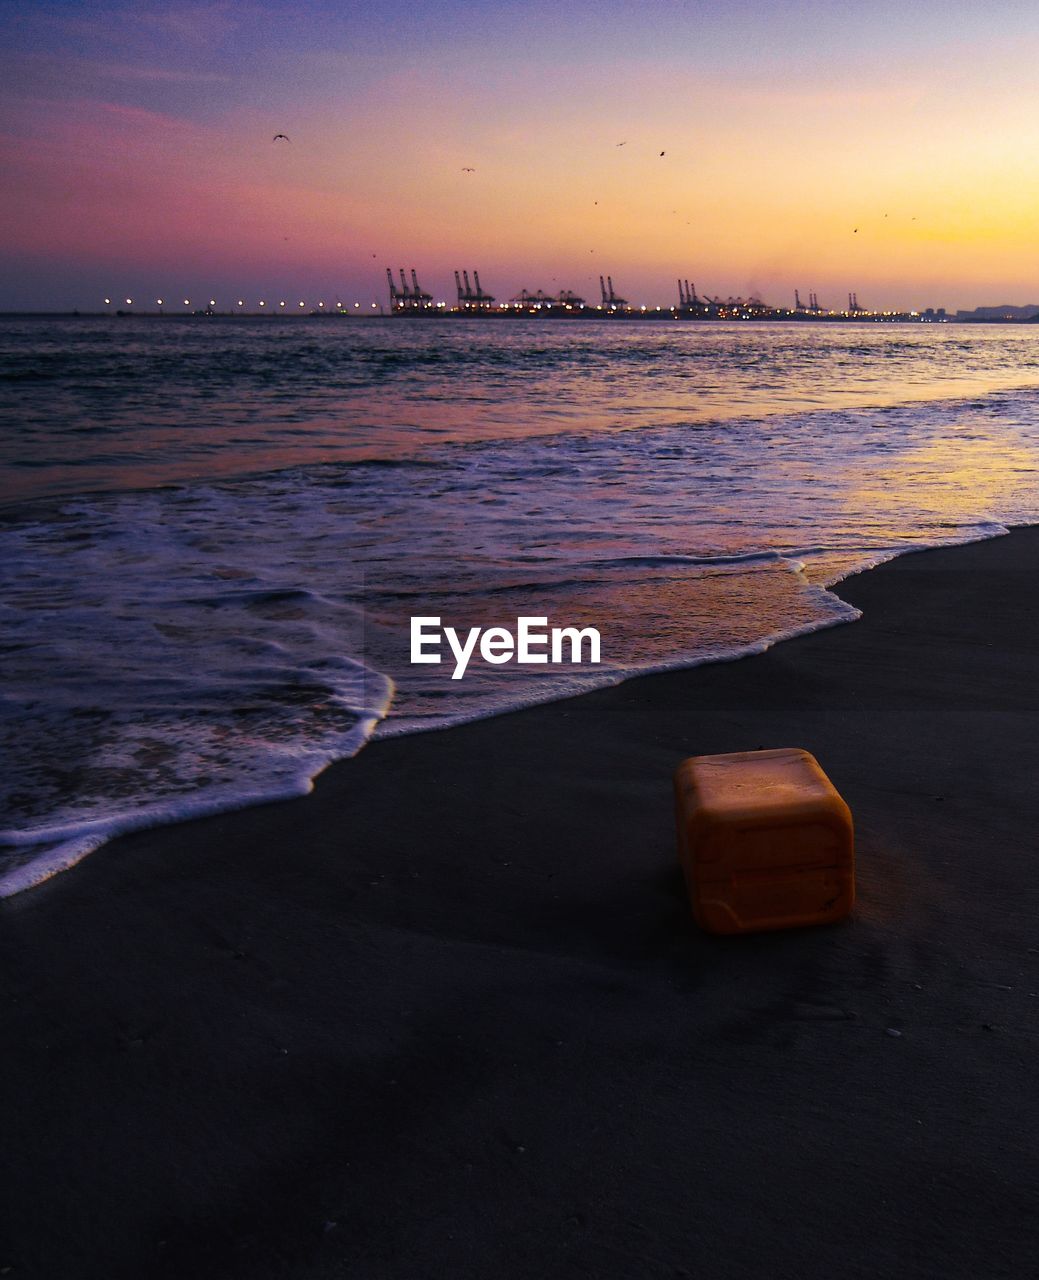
column 895, row 156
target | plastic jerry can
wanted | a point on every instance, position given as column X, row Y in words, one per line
column 765, row 841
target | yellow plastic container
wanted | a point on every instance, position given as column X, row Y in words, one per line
column 765, row 841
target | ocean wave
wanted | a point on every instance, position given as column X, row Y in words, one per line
column 180, row 646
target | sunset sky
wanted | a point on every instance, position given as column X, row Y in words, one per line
column 139, row 161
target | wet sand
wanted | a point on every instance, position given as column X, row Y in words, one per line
column 449, row 1016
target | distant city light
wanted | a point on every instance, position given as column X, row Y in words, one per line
column 320, row 304
column 187, row 302
column 159, row 301
column 212, row 302
column 129, row 302
column 375, row 304
column 241, row 303
column 357, row 304
column 108, row 302
column 302, row 304
column 281, row 304
column 263, row 304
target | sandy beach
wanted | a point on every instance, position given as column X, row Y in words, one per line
column 481, row 1037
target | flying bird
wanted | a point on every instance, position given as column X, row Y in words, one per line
column 283, row 136
column 465, row 169
column 855, row 232
column 621, row 144
column 662, row 153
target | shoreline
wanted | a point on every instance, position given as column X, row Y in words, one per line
column 588, row 313
column 449, row 1014
column 89, row 838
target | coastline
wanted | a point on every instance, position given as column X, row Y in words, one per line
column 449, row 1015
column 683, row 312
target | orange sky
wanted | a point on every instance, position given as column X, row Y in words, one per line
column 139, row 153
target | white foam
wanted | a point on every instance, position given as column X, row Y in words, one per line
column 50, row 849
column 180, row 652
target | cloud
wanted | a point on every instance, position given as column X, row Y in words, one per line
column 192, row 24
column 156, row 75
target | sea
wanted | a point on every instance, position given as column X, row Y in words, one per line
column 214, row 531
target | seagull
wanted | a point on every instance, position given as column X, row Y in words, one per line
column 855, row 232
column 662, row 153
column 467, row 170
column 621, row 144
column 284, row 136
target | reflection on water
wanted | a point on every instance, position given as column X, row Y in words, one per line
column 963, row 470
column 218, row 637
column 105, row 403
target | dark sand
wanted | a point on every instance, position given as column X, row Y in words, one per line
column 449, row 1016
